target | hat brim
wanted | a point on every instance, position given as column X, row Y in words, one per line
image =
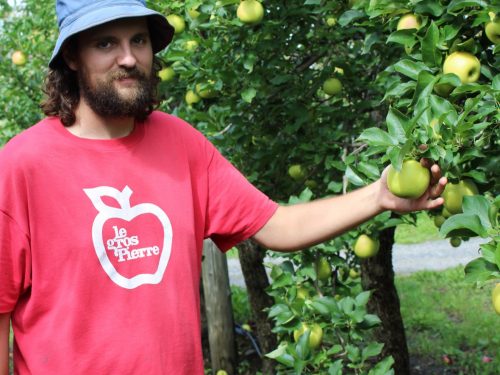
column 160, row 30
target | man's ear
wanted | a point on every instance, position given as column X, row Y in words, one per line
column 69, row 56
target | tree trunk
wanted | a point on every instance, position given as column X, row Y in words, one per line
column 251, row 260
column 219, row 310
column 378, row 276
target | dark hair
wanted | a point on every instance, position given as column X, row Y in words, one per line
column 62, row 90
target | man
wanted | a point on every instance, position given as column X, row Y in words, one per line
column 104, row 206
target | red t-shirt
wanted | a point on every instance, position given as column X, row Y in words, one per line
column 100, row 245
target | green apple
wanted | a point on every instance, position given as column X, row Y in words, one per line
column 446, row 214
column 338, row 70
column 302, row 293
column 464, row 64
column 208, row 92
column 492, row 29
column 192, row 97
column 296, row 172
column 366, row 247
column 323, row 269
column 315, row 337
column 18, row 58
column 495, row 298
column 250, row 12
column 311, row 184
column 193, row 13
column 353, row 273
column 443, row 89
column 191, row 45
column 439, row 220
column 410, row 182
column 332, row 86
column 221, row 372
column 408, row 21
column 177, row 23
column 455, row 241
column 453, row 195
column 166, row 74
column 331, row 21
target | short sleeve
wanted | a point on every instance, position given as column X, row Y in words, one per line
column 15, row 263
column 236, row 209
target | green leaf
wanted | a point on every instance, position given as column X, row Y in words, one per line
column 302, row 347
column 404, row 37
column 488, row 251
column 383, row 367
column 283, row 280
column 444, row 110
column 478, row 205
column 353, row 353
column 463, row 224
column 278, row 309
column 353, row 178
column 431, row 56
column 377, row 137
column 281, row 356
column 368, row 169
column 336, row 368
column 325, row 305
column 410, row 68
column 425, row 85
column 495, row 84
column 480, row 270
column 431, row 7
column 457, row 5
column 397, row 125
column 370, row 321
column 362, row 298
column 350, row 16
column 249, row 94
column 372, row 350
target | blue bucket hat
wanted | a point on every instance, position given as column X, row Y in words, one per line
column 74, row 16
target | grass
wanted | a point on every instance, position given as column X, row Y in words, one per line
column 425, row 230
column 447, row 319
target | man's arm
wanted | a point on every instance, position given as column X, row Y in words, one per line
column 4, row 343
column 299, row 226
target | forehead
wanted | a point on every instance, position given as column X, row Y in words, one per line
column 123, row 26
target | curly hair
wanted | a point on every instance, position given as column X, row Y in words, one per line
column 62, row 92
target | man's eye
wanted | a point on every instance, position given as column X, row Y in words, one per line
column 104, row 44
column 140, row 40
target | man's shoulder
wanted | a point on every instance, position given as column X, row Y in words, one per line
column 30, row 140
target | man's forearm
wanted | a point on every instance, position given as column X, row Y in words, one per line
column 299, row 226
column 4, row 343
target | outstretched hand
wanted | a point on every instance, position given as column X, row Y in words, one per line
column 429, row 200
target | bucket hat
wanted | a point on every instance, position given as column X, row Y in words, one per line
column 74, row 16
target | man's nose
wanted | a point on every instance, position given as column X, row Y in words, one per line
column 126, row 57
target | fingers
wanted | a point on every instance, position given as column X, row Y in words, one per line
column 427, row 163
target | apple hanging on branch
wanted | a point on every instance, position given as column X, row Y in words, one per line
column 250, row 12
column 464, row 64
column 492, row 28
column 410, row 182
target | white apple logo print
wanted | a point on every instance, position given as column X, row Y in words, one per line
column 125, row 247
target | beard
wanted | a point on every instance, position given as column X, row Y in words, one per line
column 106, row 101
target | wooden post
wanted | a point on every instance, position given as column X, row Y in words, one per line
column 219, row 309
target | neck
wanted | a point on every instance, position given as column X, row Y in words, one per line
column 90, row 125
